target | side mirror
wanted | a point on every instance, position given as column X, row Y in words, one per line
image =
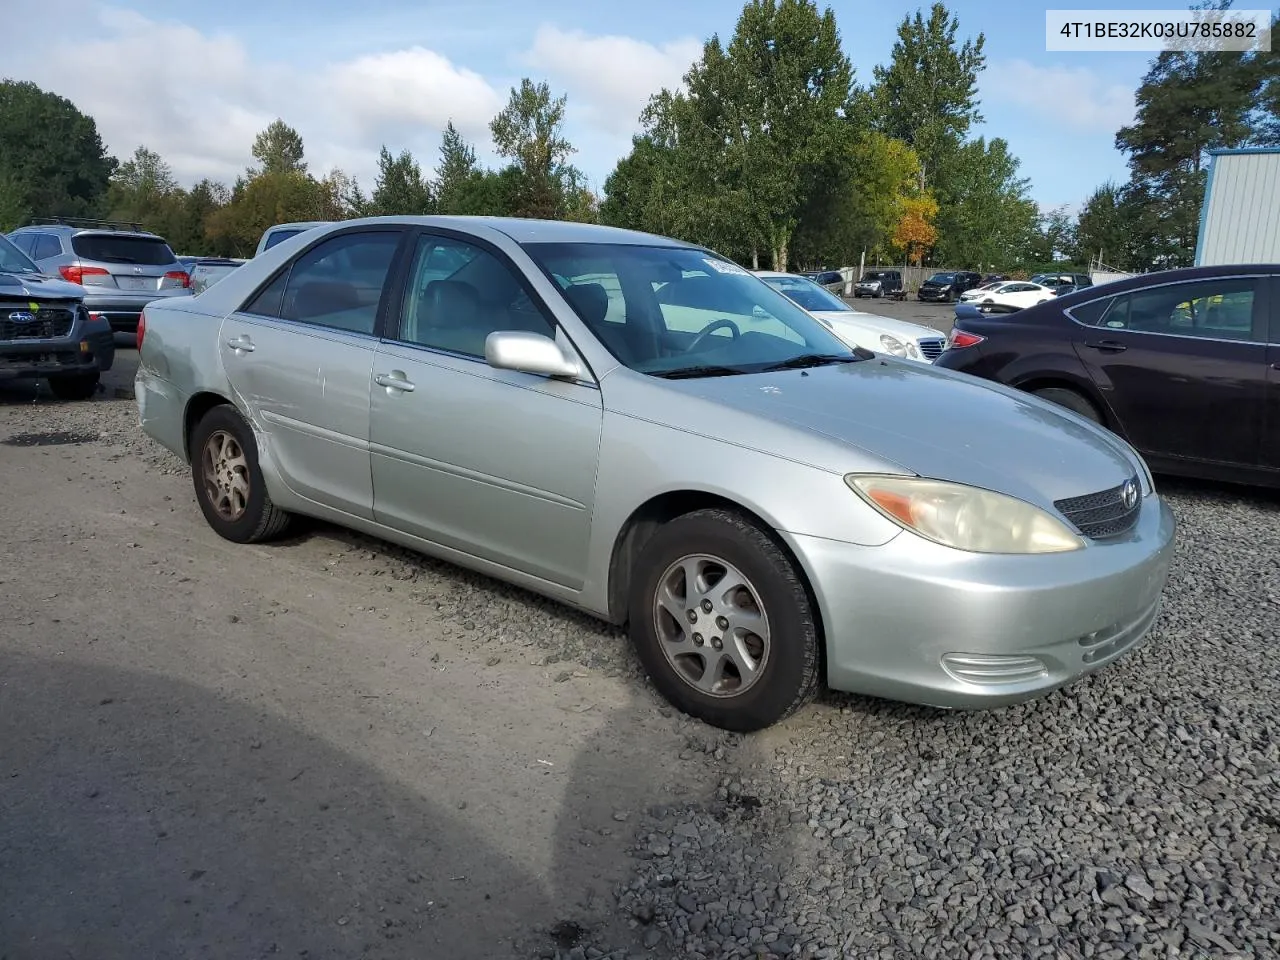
column 528, row 353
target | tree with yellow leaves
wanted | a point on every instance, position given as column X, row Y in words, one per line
column 916, row 232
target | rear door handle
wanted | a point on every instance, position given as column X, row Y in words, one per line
column 395, row 380
column 241, row 343
column 1108, row 346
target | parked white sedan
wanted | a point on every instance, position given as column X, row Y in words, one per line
column 1013, row 293
column 914, row 341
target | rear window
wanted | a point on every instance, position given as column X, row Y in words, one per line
column 107, row 248
column 280, row 236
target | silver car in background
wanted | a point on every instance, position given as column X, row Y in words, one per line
column 121, row 266
column 765, row 507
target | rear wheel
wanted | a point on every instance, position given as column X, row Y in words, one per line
column 229, row 485
column 723, row 623
column 75, row 386
column 1071, row 399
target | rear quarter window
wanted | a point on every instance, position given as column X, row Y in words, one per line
column 1090, row 314
column 147, row 251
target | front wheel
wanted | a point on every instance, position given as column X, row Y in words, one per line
column 723, row 623
column 229, row 485
column 76, row 386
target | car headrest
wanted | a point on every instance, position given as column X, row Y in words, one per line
column 448, row 303
column 590, row 301
column 320, row 297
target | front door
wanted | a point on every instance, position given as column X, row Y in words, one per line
column 1184, row 367
column 498, row 464
column 300, row 355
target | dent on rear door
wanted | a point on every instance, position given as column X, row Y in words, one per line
column 308, row 390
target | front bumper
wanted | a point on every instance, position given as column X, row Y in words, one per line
column 918, row 622
column 90, row 352
column 935, row 296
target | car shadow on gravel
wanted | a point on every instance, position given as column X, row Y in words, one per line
column 564, row 633
column 143, row 816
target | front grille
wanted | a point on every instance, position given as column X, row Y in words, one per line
column 1103, row 514
column 49, row 322
column 931, row 349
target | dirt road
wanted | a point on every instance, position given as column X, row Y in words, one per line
column 213, row 750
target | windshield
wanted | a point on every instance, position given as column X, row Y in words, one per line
column 13, row 260
column 808, row 294
column 668, row 311
column 941, row 278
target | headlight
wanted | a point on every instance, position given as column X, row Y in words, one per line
column 893, row 345
column 964, row 517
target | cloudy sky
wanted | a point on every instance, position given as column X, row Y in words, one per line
column 196, row 81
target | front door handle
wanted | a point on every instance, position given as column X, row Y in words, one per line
column 1108, row 346
column 395, row 380
column 241, row 343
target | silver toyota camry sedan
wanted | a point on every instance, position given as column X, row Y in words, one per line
column 642, row 429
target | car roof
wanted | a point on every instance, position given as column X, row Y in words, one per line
column 1100, row 291
column 528, row 230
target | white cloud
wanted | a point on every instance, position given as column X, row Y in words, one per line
column 609, row 79
column 199, row 98
column 1072, row 97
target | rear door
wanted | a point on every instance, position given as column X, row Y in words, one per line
column 1271, row 435
column 1184, row 367
column 300, row 356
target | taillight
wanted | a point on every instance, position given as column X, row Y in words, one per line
column 961, row 339
column 76, row 273
column 142, row 327
column 183, row 278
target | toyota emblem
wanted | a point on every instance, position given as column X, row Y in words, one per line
column 1129, row 494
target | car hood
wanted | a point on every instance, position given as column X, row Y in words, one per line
column 902, row 329
column 930, row 421
column 38, row 287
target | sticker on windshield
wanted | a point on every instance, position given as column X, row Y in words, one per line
column 722, row 266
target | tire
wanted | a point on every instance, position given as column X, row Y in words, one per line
column 1074, row 401
column 244, row 513
column 711, row 541
column 74, row 386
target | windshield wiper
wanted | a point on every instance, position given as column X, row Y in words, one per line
column 817, row 360
column 685, row 373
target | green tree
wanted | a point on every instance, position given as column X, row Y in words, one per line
column 529, row 131
column 860, row 209
column 928, row 94
column 1106, row 229
column 985, row 213
column 461, row 187
column 1189, row 102
column 278, row 149
column 143, row 190
column 52, row 160
column 263, row 201
column 757, row 135
column 1053, row 240
column 400, row 187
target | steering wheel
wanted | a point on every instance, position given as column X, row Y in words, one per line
column 711, row 328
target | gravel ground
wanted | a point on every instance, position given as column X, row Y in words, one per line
column 1132, row 815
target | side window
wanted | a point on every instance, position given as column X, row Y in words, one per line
column 1090, row 314
column 268, row 302
column 459, row 293
column 24, row 242
column 1213, row 309
column 46, row 245
column 335, row 284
